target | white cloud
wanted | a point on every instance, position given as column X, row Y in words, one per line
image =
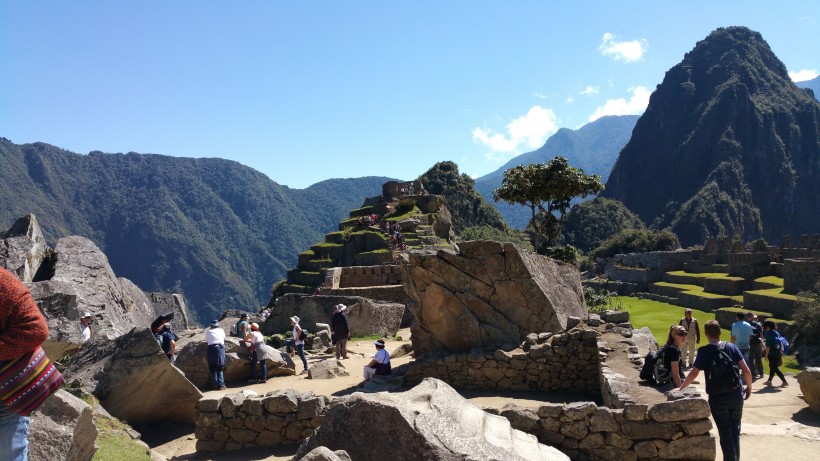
column 590, row 90
column 636, row 104
column 803, row 75
column 623, row 51
column 528, row 131
column 570, row 100
column 539, row 95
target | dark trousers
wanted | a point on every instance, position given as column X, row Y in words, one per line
column 774, row 368
column 217, row 375
column 727, row 414
column 757, row 360
column 263, row 367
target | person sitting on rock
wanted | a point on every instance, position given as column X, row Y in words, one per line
column 85, row 326
column 215, row 337
column 672, row 356
column 259, row 353
column 380, row 365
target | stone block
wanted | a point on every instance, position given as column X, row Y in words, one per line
column 603, row 421
column 679, row 410
column 809, row 380
column 579, row 410
column 252, row 406
column 255, row 423
column 699, row 427
column 204, row 419
column 268, row 438
column 243, row 435
column 645, row 430
column 591, row 442
column 575, row 429
column 230, row 404
column 235, row 423
column 646, row 450
column 615, row 439
column 281, row 402
column 635, row 412
column 208, row 404
column 699, row 447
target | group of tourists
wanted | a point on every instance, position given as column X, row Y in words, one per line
column 393, row 231
column 729, row 367
column 368, row 220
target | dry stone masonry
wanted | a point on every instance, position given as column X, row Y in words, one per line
column 243, row 420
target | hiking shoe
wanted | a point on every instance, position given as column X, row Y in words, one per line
column 222, row 388
column 768, row 383
column 785, row 384
column 252, row 381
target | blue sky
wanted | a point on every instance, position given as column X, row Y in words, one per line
column 306, row 91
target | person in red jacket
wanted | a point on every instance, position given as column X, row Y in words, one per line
column 22, row 330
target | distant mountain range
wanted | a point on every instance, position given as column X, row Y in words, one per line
column 213, row 229
column 813, row 84
column 594, row 148
column 727, row 146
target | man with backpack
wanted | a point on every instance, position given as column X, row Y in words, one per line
column 723, row 365
column 242, row 327
column 756, row 344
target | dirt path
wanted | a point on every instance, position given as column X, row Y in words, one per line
column 775, row 419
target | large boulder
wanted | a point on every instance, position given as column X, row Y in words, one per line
column 325, row 454
column 429, row 422
column 23, row 248
column 172, row 302
column 133, row 379
column 364, row 316
column 62, row 429
column 192, row 359
column 486, row 295
column 809, row 380
column 327, row 369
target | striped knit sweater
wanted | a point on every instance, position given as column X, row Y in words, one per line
column 22, row 326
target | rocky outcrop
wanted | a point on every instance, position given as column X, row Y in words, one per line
column 23, row 248
column 429, row 422
column 364, row 316
column 172, row 302
column 192, row 360
column 325, row 454
column 62, row 429
column 327, row 369
column 133, row 379
column 487, row 295
column 809, row 380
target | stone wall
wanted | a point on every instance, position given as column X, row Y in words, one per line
column 664, row 261
column 677, row 429
column 638, row 275
column 562, row 362
column 394, row 293
column 749, row 265
column 800, row 274
column 368, row 276
column 779, row 307
column 612, row 286
column 237, row 421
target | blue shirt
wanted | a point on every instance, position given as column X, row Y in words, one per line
column 703, row 361
column 742, row 332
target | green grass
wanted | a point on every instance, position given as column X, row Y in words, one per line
column 701, row 275
column 772, row 280
column 698, row 291
column 379, row 251
column 774, row 293
column 328, row 245
column 660, row 316
column 115, row 444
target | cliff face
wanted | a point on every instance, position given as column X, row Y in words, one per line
column 728, row 145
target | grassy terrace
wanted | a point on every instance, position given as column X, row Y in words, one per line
column 774, row 293
column 772, row 280
column 660, row 316
column 698, row 291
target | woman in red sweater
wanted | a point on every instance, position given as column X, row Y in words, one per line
column 22, row 330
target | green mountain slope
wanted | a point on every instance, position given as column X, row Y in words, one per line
column 728, row 145
column 213, row 229
column 592, row 148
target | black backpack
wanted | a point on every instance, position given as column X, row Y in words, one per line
column 724, row 374
column 651, row 362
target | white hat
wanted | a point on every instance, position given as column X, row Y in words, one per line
column 254, row 326
column 379, row 343
column 295, row 319
column 85, row 315
column 339, row 308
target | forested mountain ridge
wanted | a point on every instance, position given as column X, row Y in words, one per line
column 727, row 145
column 593, row 148
column 213, row 229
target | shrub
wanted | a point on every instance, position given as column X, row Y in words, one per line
column 568, row 254
column 590, row 223
column 637, row 241
column 760, row 245
column 485, row 232
column 404, row 206
column 807, row 315
column 599, row 301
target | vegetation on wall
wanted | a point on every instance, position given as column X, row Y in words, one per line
column 590, row 223
column 637, row 241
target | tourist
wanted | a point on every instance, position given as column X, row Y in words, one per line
column 259, row 353
column 167, row 341
column 298, row 343
column 340, row 329
column 265, row 314
column 741, row 337
column 773, row 355
column 692, row 338
column 672, row 355
column 725, row 401
column 22, row 330
column 380, row 365
column 215, row 337
column 756, row 346
column 242, row 327
column 85, row 326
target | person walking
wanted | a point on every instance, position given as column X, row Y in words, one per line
column 692, row 338
column 215, row 337
column 741, row 337
column 340, row 329
column 725, row 387
column 773, row 355
column 22, row 330
column 298, row 343
column 756, row 345
column 258, row 354
column 167, row 341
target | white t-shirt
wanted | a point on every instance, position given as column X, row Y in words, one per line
column 382, row 356
column 257, row 338
column 296, row 339
column 86, row 331
column 215, row 336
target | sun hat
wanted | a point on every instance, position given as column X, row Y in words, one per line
column 214, row 324
column 295, row 319
column 85, row 315
column 254, row 326
column 339, row 308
